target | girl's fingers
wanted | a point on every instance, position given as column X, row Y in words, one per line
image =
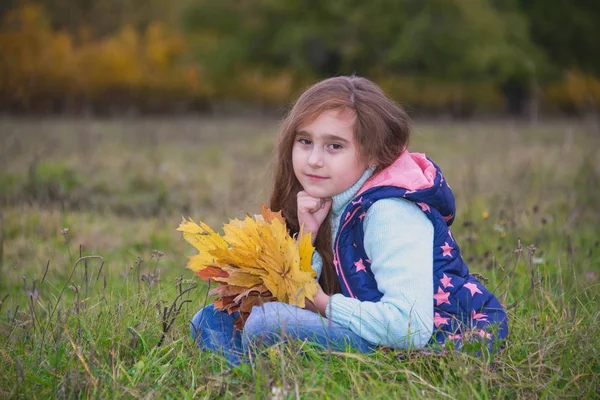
column 311, row 204
column 312, row 211
column 308, row 206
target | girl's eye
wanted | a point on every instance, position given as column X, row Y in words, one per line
column 335, row 146
column 304, row 141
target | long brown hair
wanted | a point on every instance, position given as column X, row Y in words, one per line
column 382, row 131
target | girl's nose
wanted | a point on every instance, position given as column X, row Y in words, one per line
column 316, row 158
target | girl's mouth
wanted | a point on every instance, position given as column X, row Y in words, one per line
column 315, row 177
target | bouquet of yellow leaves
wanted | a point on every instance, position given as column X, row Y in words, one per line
column 254, row 261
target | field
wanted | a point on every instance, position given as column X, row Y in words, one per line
column 91, row 267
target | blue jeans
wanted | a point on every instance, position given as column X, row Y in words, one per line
column 268, row 324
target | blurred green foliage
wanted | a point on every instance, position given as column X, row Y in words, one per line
column 450, row 40
column 567, row 31
column 457, row 56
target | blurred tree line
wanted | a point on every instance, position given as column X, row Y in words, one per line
column 439, row 56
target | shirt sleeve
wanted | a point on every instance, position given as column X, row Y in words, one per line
column 399, row 242
column 317, row 264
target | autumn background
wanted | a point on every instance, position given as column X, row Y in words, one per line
column 117, row 117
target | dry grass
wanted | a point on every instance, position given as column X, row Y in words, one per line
column 121, row 187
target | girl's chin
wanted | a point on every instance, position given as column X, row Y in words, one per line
column 319, row 194
column 319, row 191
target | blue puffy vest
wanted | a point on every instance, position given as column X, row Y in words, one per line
column 464, row 310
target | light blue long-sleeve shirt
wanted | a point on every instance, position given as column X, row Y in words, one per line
column 399, row 242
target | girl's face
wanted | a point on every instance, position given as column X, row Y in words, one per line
column 325, row 156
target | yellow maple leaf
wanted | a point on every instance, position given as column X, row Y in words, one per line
column 204, row 239
column 305, row 251
column 256, row 253
column 239, row 278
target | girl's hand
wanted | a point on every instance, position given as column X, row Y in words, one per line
column 312, row 212
column 319, row 303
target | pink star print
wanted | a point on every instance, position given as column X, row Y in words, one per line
column 359, row 265
column 441, row 297
column 446, row 281
column 361, row 216
column 448, row 217
column 484, row 334
column 439, row 320
column 424, row 206
column 454, row 337
column 357, row 201
column 472, row 288
column 409, row 192
column 479, row 316
column 447, row 249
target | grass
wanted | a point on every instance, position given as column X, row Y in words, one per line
column 91, row 259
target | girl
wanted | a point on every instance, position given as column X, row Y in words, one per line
column 389, row 270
